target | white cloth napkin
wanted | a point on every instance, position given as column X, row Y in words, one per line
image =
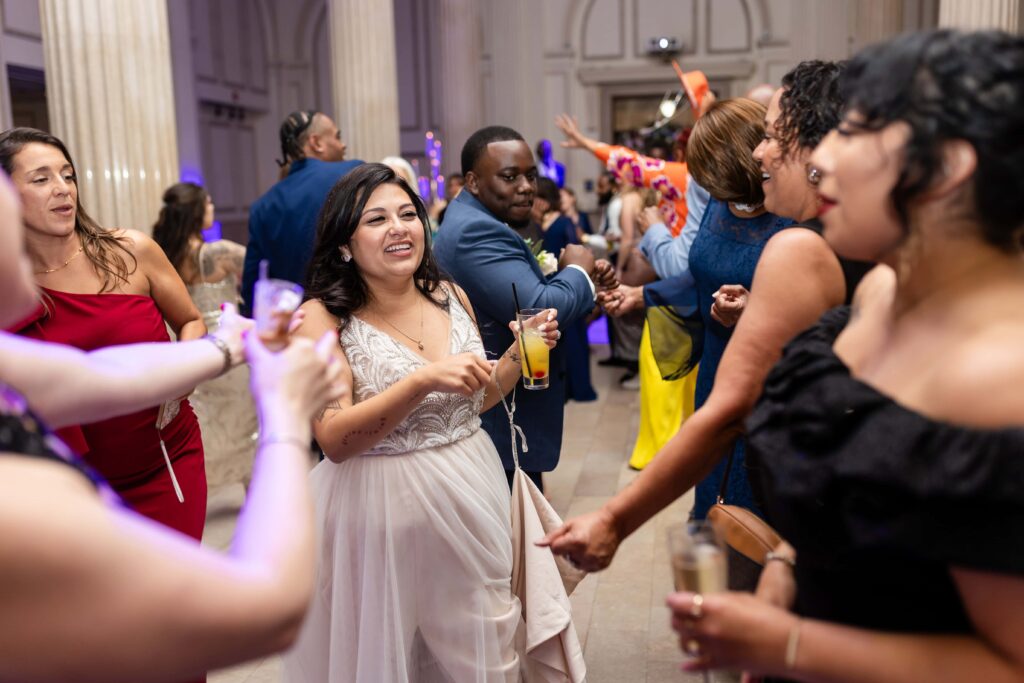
column 542, row 582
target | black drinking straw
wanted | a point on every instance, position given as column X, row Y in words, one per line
column 522, row 343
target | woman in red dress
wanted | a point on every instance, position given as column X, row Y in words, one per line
column 103, row 288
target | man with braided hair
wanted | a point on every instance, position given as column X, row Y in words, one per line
column 282, row 223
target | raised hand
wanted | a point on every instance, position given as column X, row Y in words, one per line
column 604, row 275
column 577, row 255
column 571, row 129
column 298, row 380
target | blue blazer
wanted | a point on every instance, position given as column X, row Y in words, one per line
column 282, row 223
column 484, row 257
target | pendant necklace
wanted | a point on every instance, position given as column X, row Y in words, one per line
column 61, row 266
column 417, row 342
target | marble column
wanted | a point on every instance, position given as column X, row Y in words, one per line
column 981, row 14
column 365, row 77
column 517, row 68
column 461, row 92
column 111, row 100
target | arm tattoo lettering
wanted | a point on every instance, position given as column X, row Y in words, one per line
column 363, row 432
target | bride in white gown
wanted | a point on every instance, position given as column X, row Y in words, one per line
column 414, row 575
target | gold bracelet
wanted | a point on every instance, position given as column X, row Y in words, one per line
column 792, row 645
column 222, row 346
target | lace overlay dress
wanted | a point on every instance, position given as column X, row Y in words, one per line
column 415, row 553
column 224, row 406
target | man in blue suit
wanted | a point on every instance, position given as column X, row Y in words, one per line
column 484, row 255
column 282, row 223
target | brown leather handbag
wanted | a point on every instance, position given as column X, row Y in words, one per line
column 742, row 530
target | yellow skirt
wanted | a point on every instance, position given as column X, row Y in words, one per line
column 663, row 405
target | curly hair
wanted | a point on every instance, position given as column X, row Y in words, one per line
column 338, row 284
column 720, row 155
column 948, row 85
column 810, row 106
column 108, row 253
column 181, row 219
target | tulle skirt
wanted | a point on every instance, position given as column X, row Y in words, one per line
column 414, row 572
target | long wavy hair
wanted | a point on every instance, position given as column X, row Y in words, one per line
column 180, row 220
column 107, row 252
column 338, row 284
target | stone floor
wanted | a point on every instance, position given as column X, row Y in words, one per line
column 619, row 613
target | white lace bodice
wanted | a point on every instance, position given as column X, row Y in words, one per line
column 378, row 361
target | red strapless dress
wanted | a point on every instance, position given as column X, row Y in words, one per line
column 126, row 450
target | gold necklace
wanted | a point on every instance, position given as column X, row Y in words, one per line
column 61, row 266
column 417, row 342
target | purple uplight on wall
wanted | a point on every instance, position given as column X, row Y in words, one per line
column 432, row 150
column 213, row 233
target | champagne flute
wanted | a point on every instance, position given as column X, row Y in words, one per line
column 699, row 563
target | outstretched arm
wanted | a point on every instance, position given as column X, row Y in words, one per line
column 495, row 259
column 797, row 279
column 130, row 600
column 67, row 386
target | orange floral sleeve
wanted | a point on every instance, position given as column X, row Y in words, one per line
column 667, row 177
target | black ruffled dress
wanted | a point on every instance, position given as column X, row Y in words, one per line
column 878, row 500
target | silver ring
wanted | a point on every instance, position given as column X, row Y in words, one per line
column 697, row 606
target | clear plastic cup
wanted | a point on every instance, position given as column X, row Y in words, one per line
column 275, row 302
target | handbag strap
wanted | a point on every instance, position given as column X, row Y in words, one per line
column 720, row 500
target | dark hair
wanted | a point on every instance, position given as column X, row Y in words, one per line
column 294, row 133
column 101, row 246
column 720, row 155
column 338, row 284
column 181, row 219
column 547, row 189
column 478, row 141
column 810, row 106
column 949, row 85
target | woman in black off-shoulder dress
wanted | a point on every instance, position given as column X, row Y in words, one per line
column 888, row 444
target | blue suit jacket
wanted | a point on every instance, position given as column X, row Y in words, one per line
column 282, row 223
column 485, row 256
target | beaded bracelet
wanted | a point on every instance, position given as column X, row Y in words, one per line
column 222, row 346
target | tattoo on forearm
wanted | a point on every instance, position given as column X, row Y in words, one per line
column 363, row 432
column 333, row 405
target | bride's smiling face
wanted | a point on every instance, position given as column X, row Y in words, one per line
column 389, row 240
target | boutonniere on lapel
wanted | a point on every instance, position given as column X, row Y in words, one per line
column 547, row 261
